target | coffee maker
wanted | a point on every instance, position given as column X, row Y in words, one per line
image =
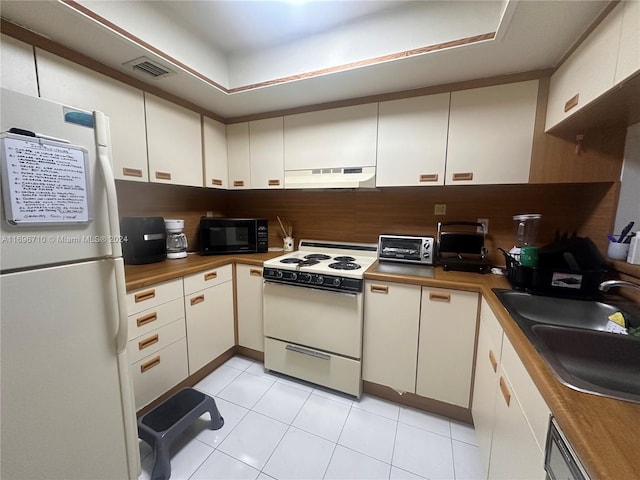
column 176, row 240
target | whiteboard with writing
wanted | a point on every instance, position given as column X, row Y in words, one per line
column 44, row 182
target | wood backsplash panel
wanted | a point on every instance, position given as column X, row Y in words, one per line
column 171, row 201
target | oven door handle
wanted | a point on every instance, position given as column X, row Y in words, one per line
column 304, row 351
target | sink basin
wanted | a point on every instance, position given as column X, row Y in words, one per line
column 571, row 337
column 605, row 364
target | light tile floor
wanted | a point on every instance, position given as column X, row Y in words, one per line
column 280, row 428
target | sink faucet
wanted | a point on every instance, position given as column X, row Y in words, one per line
column 605, row 286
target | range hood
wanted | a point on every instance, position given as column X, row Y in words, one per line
column 350, row 177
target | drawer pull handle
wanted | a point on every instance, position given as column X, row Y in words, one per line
column 505, row 391
column 142, row 344
column 150, row 364
column 132, row 172
column 311, row 353
column 379, row 289
column 197, row 300
column 429, row 177
column 256, row 272
column 462, row 176
column 152, row 317
column 571, row 103
column 210, row 276
column 440, row 297
column 492, row 360
column 238, row 183
column 146, row 295
column 274, row 183
column 163, row 175
column 216, row 181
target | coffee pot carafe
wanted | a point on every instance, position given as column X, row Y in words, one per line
column 176, row 240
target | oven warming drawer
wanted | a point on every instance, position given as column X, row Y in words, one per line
column 332, row 371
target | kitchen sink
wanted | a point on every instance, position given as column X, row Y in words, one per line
column 571, row 336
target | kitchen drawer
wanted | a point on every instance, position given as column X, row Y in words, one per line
column 158, row 372
column 149, row 297
column 156, row 340
column 208, row 278
column 332, row 371
column 153, row 318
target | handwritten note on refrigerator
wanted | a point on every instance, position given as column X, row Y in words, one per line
column 44, row 182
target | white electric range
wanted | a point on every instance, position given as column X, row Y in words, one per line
column 313, row 312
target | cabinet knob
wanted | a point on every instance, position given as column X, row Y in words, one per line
column 150, row 364
column 132, row 172
column 147, row 342
column 146, row 295
column 216, row 181
column 210, row 276
column 429, row 177
column 152, row 317
column 505, row 390
column 238, row 183
column 492, row 360
column 163, row 175
column 379, row 289
column 462, row 176
column 197, row 300
column 440, row 297
column 572, row 102
column 256, row 272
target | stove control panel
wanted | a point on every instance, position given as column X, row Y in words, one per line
column 315, row 280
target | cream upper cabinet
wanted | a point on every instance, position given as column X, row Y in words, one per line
column 412, row 141
column 17, row 66
column 69, row 83
column 446, row 344
column 629, row 51
column 390, row 334
column 214, row 141
column 337, row 138
column 266, row 146
column 588, row 72
column 239, row 156
column 174, row 143
column 249, row 306
column 491, row 134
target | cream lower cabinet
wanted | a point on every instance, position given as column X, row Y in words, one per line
column 249, row 306
column 510, row 415
column 420, row 340
column 448, row 321
column 390, row 339
column 157, row 346
column 17, row 66
column 208, row 305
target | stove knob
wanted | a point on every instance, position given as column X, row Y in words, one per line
column 279, row 274
column 305, row 277
column 294, row 276
column 319, row 279
column 336, row 282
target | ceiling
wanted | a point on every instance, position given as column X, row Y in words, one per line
column 238, row 58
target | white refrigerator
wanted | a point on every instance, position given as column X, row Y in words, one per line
column 66, row 398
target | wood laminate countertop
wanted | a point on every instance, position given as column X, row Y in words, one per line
column 605, row 433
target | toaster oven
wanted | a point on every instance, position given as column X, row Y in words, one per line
column 406, row 249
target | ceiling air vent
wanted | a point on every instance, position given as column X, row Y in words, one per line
column 149, row 67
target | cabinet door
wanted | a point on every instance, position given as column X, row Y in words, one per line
column 17, row 66
column 216, row 174
column 249, row 306
column 210, row 326
column 239, row 156
column 412, row 141
column 446, row 345
column 491, row 134
column 588, row 72
column 66, row 82
column 486, row 382
column 174, row 142
column 629, row 52
column 515, row 454
column 335, row 138
column 266, row 144
column 390, row 334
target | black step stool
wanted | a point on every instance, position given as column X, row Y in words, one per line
column 162, row 425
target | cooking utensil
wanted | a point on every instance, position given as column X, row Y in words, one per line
column 625, row 231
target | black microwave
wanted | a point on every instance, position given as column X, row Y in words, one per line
column 219, row 236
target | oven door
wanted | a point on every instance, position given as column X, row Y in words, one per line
column 318, row 319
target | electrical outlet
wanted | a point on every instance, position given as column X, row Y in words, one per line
column 440, row 209
column 485, row 222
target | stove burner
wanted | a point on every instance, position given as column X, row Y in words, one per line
column 344, row 259
column 317, row 256
column 308, row 263
column 344, row 266
column 291, row 260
